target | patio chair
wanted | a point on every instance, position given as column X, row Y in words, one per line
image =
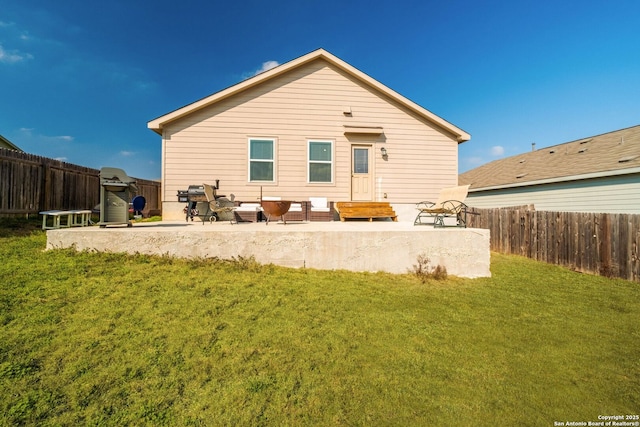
column 320, row 209
column 450, row 204
column 297, row 212
column 214, row 206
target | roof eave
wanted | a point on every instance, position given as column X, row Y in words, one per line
column 459, row 134
column 10, row 144
column 600, row 174
column 158, row 124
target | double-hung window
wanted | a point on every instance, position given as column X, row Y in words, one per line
column 320, row 161
column 262, row 159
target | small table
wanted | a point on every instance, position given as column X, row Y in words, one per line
column 80, row 217
column 74, row 218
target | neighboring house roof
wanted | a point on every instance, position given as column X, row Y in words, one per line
column 613, row 153
column 320, row 54
column 5, row 143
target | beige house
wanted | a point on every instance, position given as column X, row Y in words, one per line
column 313, row 127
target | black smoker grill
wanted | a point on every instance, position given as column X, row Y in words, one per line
column 199, row 206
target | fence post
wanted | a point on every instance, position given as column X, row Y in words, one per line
column 604, row 268
column 44, row 186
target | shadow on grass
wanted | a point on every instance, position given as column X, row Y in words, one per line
column 17, row 227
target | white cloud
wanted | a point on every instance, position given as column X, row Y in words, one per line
column 27, row 134
column 474, row 161
column 497, row 150
column 12, row 34
column 127, row 153
column 11, row 57
column 266, row 66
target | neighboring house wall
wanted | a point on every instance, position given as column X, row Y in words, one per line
column 618, row 194
column 307, row 103
column 5, row 143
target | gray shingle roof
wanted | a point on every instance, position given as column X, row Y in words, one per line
column 611, row 151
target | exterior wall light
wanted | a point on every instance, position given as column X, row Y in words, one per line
column 383, row 151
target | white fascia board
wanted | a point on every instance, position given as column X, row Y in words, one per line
column 461, row 135
column 157, row 123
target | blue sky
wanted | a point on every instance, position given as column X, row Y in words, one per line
column 80, row 80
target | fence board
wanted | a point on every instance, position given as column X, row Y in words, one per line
column 30, row 184
column 604, row 244
column 635, row 247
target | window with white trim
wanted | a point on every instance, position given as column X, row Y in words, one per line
column 320, row 161
column 262, row 159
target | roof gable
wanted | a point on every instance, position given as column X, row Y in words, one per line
column 320, row 54
column 602, row 155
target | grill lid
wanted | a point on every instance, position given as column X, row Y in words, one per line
column 196, row 189
column 114, row 175
column 116, row 179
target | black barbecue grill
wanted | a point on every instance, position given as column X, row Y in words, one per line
column 195, row 193
column 194, row 196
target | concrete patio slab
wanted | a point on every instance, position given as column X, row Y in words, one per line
column 354, row 245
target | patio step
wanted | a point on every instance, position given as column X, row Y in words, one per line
column 365, row 210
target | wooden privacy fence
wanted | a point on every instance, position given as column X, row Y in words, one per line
column 604, row 244
column 30, row 184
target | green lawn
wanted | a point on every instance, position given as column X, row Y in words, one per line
column 110, row 339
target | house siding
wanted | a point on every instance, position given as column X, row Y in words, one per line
column 302, row 104
column 618, row 194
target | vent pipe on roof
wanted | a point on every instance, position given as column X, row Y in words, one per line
column 533, row 146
